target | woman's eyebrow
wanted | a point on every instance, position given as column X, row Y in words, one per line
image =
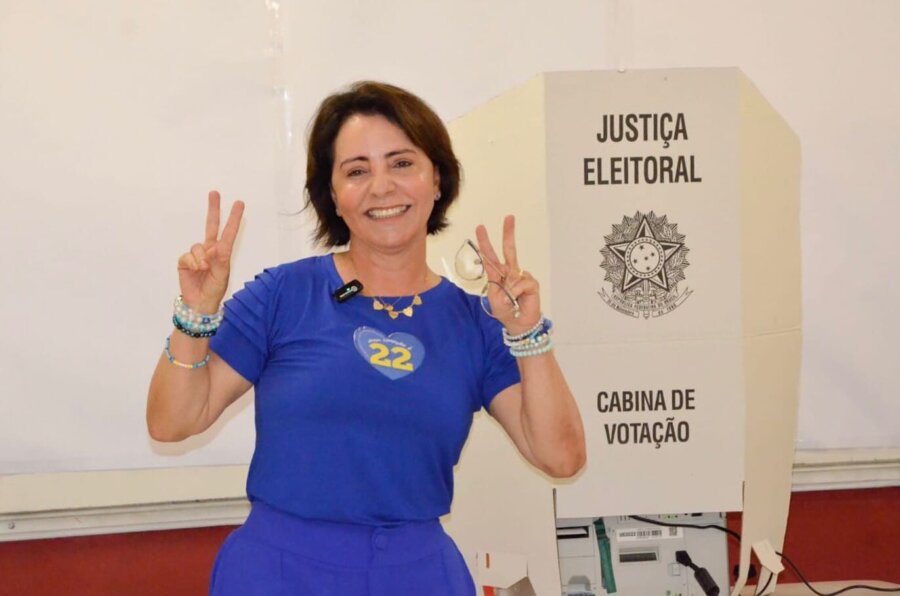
column 398, row 152
column 357, row 158
column 389, row 154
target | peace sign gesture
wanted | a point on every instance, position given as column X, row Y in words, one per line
column 506, row 279
column 203, row 271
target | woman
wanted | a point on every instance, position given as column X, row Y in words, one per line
column 363, row 399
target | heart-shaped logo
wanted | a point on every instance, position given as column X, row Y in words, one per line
column 395, row 355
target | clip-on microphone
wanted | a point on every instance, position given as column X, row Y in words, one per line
column 348, row 291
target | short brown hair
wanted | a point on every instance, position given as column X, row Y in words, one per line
column 402, row 108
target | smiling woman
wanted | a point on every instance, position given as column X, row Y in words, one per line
column 424, row 134
column 363, row 402
column 384, row 188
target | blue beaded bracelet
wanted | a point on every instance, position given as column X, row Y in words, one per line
column 181, row 326
column 543, row 326
column 171, row 358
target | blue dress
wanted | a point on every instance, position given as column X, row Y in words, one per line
column 360, row 419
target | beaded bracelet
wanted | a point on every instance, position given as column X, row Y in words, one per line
column 532, row 342
column 189, row 321
column 546, row 347
column 187, row 331
column 507, row 338
column 171, row 358
column 543, row 326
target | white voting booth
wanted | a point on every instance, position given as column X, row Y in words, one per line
column 660, row 211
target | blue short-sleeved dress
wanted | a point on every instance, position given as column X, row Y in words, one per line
column 360, row 419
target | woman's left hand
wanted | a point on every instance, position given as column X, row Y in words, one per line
column 507, row 274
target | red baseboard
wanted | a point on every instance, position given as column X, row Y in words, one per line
column 839, row 535
column 835, row 535
column 170, row 563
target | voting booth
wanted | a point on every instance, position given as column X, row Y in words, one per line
column 660, row 211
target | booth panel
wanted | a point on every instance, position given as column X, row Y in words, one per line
column 770, row 183
column 644, row 204
column 664, row 426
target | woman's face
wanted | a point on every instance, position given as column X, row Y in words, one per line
column 382, row 184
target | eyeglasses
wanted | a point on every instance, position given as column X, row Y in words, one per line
column 469, row 265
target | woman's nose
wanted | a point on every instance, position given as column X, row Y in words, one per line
column 382, row 182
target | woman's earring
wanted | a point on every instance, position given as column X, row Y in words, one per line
column 437, row 197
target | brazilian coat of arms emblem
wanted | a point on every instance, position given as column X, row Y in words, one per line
column 644, row 259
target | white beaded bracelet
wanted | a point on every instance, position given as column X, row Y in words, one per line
column 193, row 321
column 533, row 351
column 510, row 340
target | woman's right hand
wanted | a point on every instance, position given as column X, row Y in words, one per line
column 203, row 271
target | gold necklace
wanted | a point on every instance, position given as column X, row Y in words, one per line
column 378, row 303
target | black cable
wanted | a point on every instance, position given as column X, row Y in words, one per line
column 766, row 585
column 841, row 591
column 704, row 579
column 737, row 536
column 728, row 531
